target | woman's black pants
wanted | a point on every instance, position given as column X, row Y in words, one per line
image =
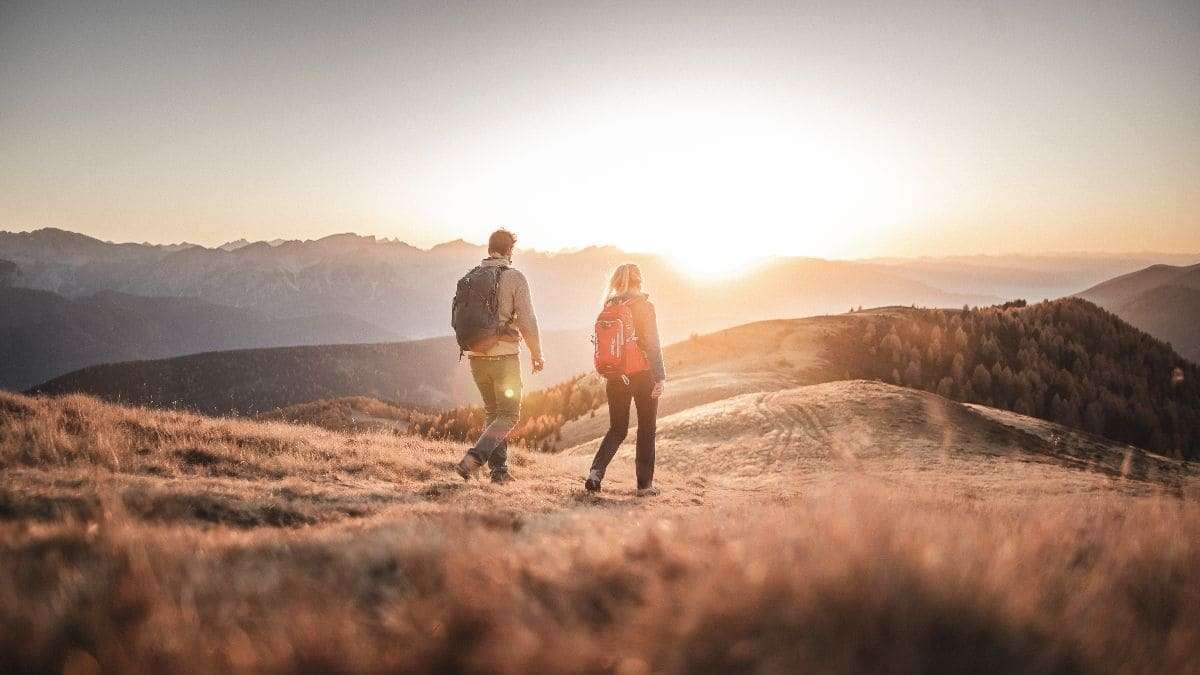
column 619, row 396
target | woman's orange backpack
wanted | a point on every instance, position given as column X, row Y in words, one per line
column 617, row 351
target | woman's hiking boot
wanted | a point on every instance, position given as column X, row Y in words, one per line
column 592, row 482
column 468, row 466
column 651, row 491
column 501, row 476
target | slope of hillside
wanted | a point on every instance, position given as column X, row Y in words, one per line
column 252, row 381
column 760, row 356
column 1162, row 300
column 789, row 438
column 1170, row 313
column 928, row 536
column 1128, row 286
column 43, row 335
column 351, row 414
column 1067, row 361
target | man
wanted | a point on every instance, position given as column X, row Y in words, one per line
column 495, row 362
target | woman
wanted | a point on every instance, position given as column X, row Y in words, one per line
column 642, row 388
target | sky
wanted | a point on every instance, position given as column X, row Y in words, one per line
column 715, row 131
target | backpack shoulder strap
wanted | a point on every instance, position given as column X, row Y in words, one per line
column 495, row 301
column 633, row 331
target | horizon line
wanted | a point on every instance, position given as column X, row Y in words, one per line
column 1080, row 253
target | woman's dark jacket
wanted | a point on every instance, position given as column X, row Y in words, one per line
column 645, row 324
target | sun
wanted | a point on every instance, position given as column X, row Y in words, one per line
column 710, row 265
column 712, row 191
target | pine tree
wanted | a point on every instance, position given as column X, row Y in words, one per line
column 981, row 382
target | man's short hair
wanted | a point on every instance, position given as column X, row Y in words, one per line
column 501, row 242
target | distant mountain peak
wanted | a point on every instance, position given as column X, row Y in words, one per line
column 456, row 246
column 342, row 237
column 57, row 234
column 234, row 245
column 254, row 246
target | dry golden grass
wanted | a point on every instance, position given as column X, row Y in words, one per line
column 349, row 413
column 140, row 541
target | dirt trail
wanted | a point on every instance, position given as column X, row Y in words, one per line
column 809, row 434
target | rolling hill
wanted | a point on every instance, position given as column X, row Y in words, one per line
column 1066, row 361
column 44, row 335
column 1063, row 360
column 1170, row 313
column 793, row 437
column 351, row 414
column 253, row 381
column 1127, row 286
column 1162, row 300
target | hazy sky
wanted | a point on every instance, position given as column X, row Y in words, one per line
column 833, row 129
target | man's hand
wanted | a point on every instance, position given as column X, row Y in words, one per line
column 538, row 365
column 657, row 390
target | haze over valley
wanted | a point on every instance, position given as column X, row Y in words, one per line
column 103, row 302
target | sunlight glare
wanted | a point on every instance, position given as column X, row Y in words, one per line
column 711, row 190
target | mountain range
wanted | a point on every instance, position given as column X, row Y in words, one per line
column 73, row 301
column 43, row 334
column 406, row 290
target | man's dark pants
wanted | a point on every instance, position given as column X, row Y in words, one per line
column 499, row 382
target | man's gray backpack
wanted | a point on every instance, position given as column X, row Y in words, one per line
column 475, row 312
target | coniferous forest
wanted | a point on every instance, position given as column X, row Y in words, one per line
column 1066, row 361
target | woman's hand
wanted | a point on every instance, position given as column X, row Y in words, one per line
column 657, row 390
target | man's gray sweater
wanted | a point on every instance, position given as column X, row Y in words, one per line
column 516, row 308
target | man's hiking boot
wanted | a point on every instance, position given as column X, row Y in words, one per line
column 501, row 477
column 651, row 491
column 468, row 466
column 592, row 482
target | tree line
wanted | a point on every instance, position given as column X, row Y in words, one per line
column 1066, row 361
column 543, row 414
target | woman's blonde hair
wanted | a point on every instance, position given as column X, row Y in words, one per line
column 625, row 278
